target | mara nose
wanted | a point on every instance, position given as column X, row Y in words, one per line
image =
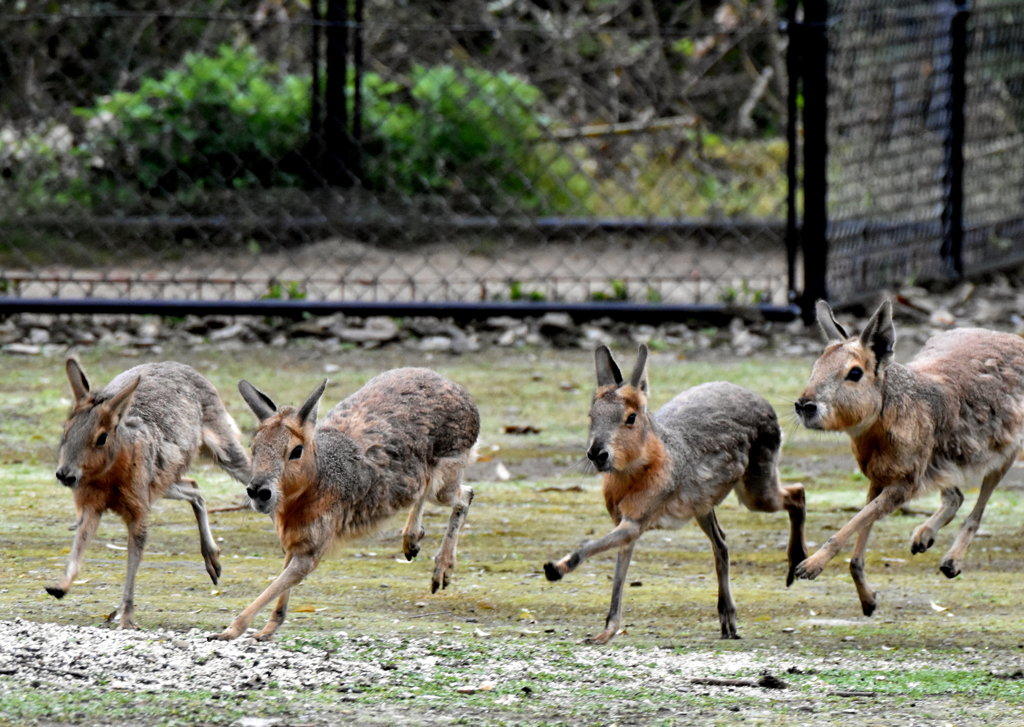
column 598, row 455
column 66, row 478
column 805, row 408
column 258, row 492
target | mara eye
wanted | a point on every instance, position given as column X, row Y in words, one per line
column 855, row 374
column 102, row 439
column 631, row 419
column 296, row 453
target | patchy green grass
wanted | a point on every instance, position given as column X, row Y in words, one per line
column 936, row 650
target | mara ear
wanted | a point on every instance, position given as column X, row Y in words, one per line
column 638, row 379
column 307, row 412
column 115, row 406
column 832, row 330
column 879, row 335
column 608, row 373
column 261, row 404
column 76, row 377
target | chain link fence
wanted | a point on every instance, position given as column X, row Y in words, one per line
column 926, row 151
column 469, row 152
column 994, row 138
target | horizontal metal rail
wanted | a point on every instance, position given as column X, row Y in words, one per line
column 354, row 222
column 464, row 312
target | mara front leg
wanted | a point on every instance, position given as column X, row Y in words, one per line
column 279, row 613
column 297, row 567
column 87, row 524
column 614, row 619
column 623, row 534
column 888, row 500
column 726, row 606
column 865, row 592
column 137, row 532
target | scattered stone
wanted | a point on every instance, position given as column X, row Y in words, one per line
column 258, row 722
column 435, row 344
column 919, row 313
column 377, row 329
column 23, row 349
column 227, row 333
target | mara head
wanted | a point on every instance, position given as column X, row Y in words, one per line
column 89, row 444
column 618, row 414
column 844, row 391
column 282, row 445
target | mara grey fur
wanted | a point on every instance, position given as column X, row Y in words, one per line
column 131, row 443
column 404, row 438
column 664, row 469
column 953, row 414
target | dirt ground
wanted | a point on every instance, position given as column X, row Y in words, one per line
column 366, row 643
column 683, row 271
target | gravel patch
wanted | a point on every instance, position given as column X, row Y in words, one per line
column 528, row 679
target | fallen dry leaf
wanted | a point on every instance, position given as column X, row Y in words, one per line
column 521, row 429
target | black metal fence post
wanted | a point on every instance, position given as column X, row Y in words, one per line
column 337, row 160
column 358, row 67
column 314, row 151
column 793, row 46
column 815, row 118
column 953, row 187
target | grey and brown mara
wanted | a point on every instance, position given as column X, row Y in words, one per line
column 955, row 413
column 131, row 443
column 404, row 438
column 662, row 470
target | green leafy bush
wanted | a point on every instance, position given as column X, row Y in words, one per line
column 224, row 121
column 232, row 121
column 473, row 133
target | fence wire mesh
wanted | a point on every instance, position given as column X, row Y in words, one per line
column 889, row 122
column 892, row 149
column 431, row 151
column 994, row 148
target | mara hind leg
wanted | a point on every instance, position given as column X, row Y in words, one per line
column 221, row 437
column 413, row 531
column 187, row 490
column 726, row 606
column 446, row 488
column 924, row 534
column 953, row 562
column 761, row 491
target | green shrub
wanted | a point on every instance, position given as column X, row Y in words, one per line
column 231, row 121
column 224, row 121
column 470, row 132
